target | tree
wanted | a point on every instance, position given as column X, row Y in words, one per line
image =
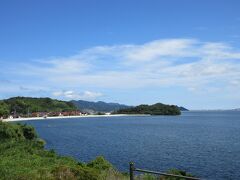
column 4, row 110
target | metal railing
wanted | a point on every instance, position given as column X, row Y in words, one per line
column 132, row 169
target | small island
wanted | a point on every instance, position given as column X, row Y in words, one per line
column 155, row 109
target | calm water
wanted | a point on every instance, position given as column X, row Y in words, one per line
column 206, row 144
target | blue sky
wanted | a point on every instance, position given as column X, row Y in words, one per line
column 180, row 52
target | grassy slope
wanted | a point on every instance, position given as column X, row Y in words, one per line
column 23, row 156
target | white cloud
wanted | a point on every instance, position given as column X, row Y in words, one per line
column 188, row 63
column 91, row 95
column 86, row 95
column 161, row 49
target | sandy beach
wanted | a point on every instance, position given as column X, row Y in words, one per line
column 64, row 117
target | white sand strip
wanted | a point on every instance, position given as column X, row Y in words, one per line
column 66, row 117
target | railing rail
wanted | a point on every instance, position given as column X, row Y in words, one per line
column 132, row 169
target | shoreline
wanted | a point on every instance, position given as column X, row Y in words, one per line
column 66, row 117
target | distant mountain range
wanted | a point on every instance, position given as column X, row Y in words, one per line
column 99, row 106
column 182, row 108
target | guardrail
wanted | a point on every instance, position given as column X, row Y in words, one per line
column 132, row 169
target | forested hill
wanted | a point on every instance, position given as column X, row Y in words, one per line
column 99, row 106
column 25, row 105
column 155, row 109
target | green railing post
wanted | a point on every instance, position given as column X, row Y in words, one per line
column 131, row 170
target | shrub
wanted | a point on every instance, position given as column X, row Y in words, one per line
column 100, row 163
column 23, row 156
column 10, row 131
column 29, row 132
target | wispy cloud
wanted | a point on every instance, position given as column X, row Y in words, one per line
column 187, row 63
column 86, row 95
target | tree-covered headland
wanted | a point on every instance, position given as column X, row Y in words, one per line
column 155, row 109
column 26, row 106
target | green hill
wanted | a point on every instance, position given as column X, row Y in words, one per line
column 155, row 109
column 25, row 105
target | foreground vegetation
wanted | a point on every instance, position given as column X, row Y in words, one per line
column 155, row 109
column 23, row 157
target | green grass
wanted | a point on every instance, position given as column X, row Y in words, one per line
column 23, row 157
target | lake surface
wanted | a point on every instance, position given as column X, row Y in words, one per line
column 206, row 144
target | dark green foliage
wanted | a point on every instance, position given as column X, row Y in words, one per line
column 4, row 109
column 24, row 105
column 100, row 163
column 16, row 132
column 155, row 109
column 27, row 160
column 22, row 156
column 28, row 132
column 106, row 170
column 10, row 132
